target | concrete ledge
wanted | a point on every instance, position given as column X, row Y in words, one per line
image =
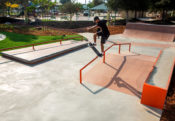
column 43, row 52
column 156, row 87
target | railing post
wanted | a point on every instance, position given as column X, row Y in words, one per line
column 119, row 48
column 80, row 77
column 129, row 47
column 104, row 54
column 33, row 46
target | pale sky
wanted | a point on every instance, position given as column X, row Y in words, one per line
column 83, row 1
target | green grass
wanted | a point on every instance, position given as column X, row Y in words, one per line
column 14, row 39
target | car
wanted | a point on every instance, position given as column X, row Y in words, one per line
column 86, row 13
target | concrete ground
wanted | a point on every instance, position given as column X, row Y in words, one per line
column 50, row 91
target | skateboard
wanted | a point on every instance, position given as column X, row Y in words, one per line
column 94, row 48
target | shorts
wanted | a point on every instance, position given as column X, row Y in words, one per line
column 103, row 37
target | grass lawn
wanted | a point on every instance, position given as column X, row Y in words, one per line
column 14, row 39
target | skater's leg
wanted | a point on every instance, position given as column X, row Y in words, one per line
column 102, row 48
column 95, row 38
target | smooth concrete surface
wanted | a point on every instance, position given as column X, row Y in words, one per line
column 51, row 91
column 42, row 52
column 125, row 72
column 162, row 71
column 150, row 31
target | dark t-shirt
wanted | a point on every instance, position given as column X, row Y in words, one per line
column 102, row 24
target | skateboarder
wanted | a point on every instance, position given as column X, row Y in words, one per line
column 104, row 33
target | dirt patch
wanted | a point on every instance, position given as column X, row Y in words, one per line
column 45, row 31
column 41, row 31
column 113, row 30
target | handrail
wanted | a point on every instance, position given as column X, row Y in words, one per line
column 33, row 45
column 104, row 54
column 85, row 67
column 103, row 57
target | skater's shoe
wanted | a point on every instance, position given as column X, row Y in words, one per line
column 94, row 44
column 101, row 54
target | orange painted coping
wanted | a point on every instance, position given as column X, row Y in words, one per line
column 155, row 96
column 160, row 53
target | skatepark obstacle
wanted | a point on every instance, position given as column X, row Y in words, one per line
column 115, row 44
column 44, row 52
column 104, row 56
column 153, row 95
column 164, row 33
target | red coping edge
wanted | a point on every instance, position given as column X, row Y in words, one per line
column 155, row 96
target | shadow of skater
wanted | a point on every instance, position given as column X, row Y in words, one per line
column 122, row 83
column 118, row 81
column 118, row 71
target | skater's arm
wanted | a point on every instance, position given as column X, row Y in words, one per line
column 93, row 27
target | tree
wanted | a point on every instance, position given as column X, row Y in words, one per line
column 97, row 2
column 69, row 8
column 134, row 5
column 90, row 5
column 64, row 1
column 162, row 5
column 140, row 6
column 113, row 5
column 121, row 4
column 2, row 7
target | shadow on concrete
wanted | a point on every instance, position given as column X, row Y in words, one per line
column 119, row 82
column 156, row 112
column 111, row 66
column 5, row 62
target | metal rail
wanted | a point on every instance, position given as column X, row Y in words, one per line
column 85, row 67
column 104, row 57
column 104, row 54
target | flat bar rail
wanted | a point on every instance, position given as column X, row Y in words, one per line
column 85, row 67
column 120, row 44
column 104, row 56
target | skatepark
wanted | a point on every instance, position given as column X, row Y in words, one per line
column 67, row 81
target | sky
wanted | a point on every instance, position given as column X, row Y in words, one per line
column 83, row 1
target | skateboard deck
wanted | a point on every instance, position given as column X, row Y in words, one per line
column 94, row 48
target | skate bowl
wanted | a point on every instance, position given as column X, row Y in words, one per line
column 164, row 33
